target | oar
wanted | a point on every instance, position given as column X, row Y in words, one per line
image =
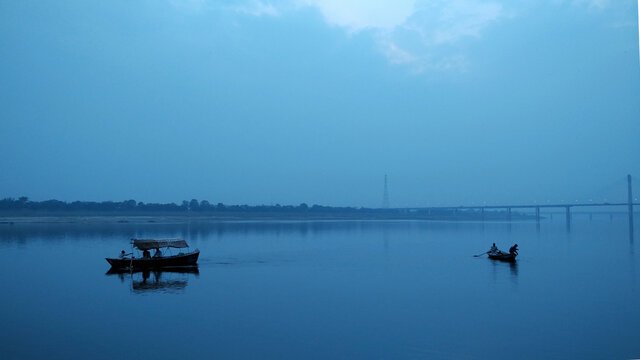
column 480, row 254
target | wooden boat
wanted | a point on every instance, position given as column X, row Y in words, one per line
column 502, row 256
column 158, row 261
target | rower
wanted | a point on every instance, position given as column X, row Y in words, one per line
column 494, row 248
column 514, row 250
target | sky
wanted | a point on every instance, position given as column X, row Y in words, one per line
column 459, row 102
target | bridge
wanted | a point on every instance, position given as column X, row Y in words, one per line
column 566, row 206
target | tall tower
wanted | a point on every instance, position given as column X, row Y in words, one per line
column 630, row 204
column 385, row 197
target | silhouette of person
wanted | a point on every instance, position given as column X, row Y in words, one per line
column 514, row 250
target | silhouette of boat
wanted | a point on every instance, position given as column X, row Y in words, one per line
column 159, row 260
column 502, row 256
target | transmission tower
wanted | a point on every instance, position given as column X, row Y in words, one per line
column 385, row 197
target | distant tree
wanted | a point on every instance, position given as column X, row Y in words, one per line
column 194, row 205
column 129, row 204
column 303, row 207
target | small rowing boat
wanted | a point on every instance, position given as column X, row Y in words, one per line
column 159, row 259
column 502, row 256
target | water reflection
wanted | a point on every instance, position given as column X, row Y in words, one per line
column 173, row 280
column 499, row 270
column 513, row 267
column 263, row 284
column 59, row 231
column 21, row 233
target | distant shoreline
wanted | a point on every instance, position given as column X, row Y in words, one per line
column 23, row 210
column 13, row 219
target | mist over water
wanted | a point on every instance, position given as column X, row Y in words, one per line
column 343, row 289
column 178, row 112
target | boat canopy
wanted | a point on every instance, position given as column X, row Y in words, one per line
column 148, row 244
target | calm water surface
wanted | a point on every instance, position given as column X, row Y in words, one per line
column 292, row 290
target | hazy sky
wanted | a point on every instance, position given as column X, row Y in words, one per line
column 458, row 101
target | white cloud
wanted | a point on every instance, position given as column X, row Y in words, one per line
column 421, row 34
column 396, row 54
column 252, row 8
column 408, row 32
column 258, row 8
column 357, row 15
column 463, row 18
column 593, row 4
column 413, row 32
column 190, row 6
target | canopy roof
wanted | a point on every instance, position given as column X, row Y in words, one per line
column 148, row 244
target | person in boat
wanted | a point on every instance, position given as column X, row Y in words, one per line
column 146, row 254
column 157, row 254
column 493, row 249
column 514, row 250
column 122, row 254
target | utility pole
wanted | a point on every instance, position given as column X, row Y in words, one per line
column 385, row 196
column 630, row 204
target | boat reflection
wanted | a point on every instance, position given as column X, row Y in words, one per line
column 513, row 267
column 499, row 271
column 170, row 280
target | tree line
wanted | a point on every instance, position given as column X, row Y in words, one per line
column 24, row 204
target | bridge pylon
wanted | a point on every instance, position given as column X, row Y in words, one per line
column 630, row 204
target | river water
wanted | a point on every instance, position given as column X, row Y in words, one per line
column 326, row 289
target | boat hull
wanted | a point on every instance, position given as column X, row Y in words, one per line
column 501, row 256
column 188, row 259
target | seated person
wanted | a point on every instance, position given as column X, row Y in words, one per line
column 122, row 254
column 514, row 250
column 494, row 248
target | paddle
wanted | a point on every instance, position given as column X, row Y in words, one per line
column 480, row 254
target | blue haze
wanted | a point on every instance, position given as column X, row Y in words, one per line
column 272, row 102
